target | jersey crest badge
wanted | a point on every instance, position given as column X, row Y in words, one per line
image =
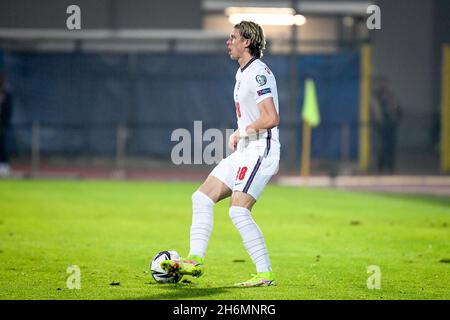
column 261, row 79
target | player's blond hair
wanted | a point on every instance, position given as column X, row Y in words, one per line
column 255, row 33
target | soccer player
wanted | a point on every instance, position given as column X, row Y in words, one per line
column 244, row 173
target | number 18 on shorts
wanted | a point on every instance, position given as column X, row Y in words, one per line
column 247, row 173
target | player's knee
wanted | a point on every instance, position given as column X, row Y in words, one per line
column 239, row 214
column 199, row 198
column 242, row 199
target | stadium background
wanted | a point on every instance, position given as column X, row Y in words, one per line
column 109, row 95
column 94, row 110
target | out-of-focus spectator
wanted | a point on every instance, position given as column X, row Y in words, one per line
column 5, row 120
column 386, row 114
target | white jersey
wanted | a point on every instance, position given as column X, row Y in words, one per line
column 254, row 162
column 254, row 83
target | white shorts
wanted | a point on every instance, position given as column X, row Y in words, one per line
column 250, row 167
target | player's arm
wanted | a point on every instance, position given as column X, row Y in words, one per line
column 268, row 118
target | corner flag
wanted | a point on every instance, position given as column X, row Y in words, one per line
column 311, row 118
column 310, row 112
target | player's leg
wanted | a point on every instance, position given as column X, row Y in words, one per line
column 253, row 239
column 215, row 188
column 253, row 175
column 210, row 192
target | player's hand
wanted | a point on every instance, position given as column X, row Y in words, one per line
column 233, row 141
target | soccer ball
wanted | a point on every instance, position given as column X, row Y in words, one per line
column 158, row 273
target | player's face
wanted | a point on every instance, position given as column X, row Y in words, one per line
column 236, row 45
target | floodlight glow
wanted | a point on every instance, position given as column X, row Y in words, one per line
column 234, row 10
column 265, row 16
column 299, row 19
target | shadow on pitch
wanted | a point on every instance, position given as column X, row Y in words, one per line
column 183, row 292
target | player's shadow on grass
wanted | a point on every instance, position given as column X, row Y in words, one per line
column 183, row 292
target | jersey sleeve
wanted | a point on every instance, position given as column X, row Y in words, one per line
column 263, row 84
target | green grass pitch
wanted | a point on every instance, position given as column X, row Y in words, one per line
column 320, row 241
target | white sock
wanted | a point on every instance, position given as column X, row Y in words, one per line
column 202, row 223
column 252, row 237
